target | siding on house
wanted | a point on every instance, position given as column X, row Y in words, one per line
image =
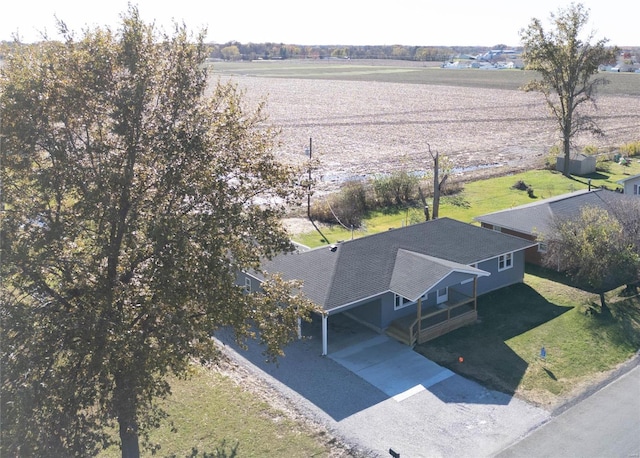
column 631, row 185
column 499, row 279
column 370, row 313
column 453, row 281
column 532, row 254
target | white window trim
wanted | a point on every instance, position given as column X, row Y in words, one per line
column 542, row 247
column 247, row 284
column 506, row 260
column 400, row 302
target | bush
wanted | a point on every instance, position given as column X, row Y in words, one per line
column 520, row 185
column 603, row 164
column 631, row 149
column 355, row 194
column 551, row 160
column 399, row 188
column 347, row 207
column 590, row 150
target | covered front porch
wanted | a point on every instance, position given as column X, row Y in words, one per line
column 432, row 321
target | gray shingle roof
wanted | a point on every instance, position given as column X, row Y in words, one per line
column 416, row 273
column 368, row 266
column 536, row 218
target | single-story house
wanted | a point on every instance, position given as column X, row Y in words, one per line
column 631, row 185
column 580, row 164
column 415, row 282
column 530, row 221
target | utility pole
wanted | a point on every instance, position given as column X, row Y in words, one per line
column 309, row 195
column 309, row 185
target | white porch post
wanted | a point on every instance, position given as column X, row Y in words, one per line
column 299, row 328
column 325, row 317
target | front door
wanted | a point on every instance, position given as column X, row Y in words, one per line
column 442, row 295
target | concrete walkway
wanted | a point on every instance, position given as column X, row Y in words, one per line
column 390, row 366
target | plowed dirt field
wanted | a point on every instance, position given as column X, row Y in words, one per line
column 361, row 128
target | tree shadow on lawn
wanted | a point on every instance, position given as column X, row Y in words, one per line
column 486, row 358
column 621, row 323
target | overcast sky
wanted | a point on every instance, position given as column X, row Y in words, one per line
column 328, row 22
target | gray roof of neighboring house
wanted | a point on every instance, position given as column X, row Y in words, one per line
column 630, row 178
column 536, row 218
column 407, row 261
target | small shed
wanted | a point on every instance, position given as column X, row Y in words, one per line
column 581, row 164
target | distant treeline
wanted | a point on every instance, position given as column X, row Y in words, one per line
column 234, row 50
column 252, row 51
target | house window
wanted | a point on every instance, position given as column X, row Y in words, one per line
column 542, row 247
column 505, row 262
column 636, row 189
column 442, row 295
column 497, row 228
column 401, row 302
column 247, row 285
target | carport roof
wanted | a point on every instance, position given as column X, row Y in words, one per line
column 366, row 267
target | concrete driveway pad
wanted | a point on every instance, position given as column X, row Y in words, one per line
column 391, row 366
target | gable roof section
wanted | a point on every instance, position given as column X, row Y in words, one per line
column 365, row 267
column 536, row 218
column 415, row 273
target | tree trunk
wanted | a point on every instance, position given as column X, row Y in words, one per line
column 437, row 185
column 566, row 147
column 125, row 404
column 129, row 439
column 604, row 308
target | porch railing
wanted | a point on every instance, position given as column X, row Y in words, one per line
column 435, row 321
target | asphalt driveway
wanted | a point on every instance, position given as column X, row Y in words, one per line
column 378, row 394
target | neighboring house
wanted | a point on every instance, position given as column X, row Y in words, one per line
column 580, row 164
column 631, row 185
column 415, row 283
column 533, row 220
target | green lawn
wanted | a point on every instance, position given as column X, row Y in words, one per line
column 212, row 416
column 503, row 350
column 481, row 197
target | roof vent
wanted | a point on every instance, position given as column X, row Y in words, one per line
column 333, row 248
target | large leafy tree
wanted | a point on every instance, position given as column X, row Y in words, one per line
column 595, row 249
column 133, row 192
column 566, row 65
